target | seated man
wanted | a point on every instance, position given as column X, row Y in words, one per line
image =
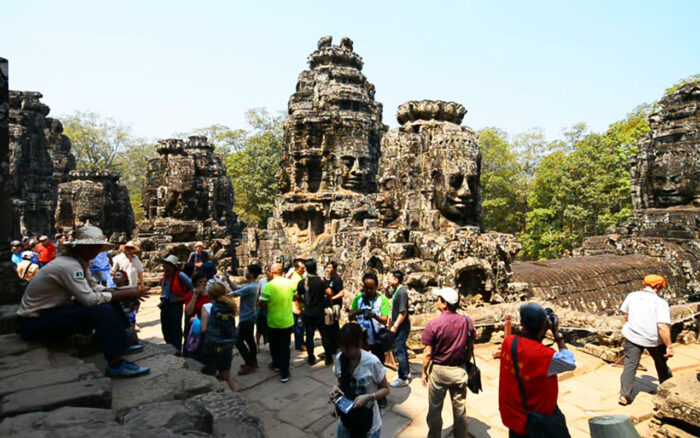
column 63, row 299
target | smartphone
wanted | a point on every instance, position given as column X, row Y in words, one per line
column 344, row 404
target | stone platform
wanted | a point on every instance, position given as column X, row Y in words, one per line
column 62, row 392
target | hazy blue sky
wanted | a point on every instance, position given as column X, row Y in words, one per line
column 170, row 66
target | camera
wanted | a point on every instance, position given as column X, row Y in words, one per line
column 550, row 315
column 367, row 313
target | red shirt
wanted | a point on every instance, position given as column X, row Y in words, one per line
column 541, row 391
column 201, row 300
column 447, row 335
column 45, row 251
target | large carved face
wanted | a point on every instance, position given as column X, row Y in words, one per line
column 672, row 182
column 355, row 171
column 387, row 202
column 455, row 191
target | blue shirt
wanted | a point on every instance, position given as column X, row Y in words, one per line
column 101, row 262
column 248, row 294
column 166, row 293
column 562, row 361
column 17, row 258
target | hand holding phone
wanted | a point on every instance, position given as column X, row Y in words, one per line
column 344, row 404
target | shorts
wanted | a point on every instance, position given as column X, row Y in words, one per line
column 217, row 361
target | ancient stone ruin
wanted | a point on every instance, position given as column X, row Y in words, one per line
column 187, row 198
column 98, row 198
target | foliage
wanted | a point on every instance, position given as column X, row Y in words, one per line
column 225, row 140
column 679, row 84
column 503, row 184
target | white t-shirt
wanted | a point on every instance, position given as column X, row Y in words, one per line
column 644, row 311
column 368, row 374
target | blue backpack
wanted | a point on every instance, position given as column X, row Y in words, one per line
column 221, row 329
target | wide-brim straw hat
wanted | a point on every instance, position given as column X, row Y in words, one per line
column 171, row 259
column 198, row 244
column 89, row 236
column 130, row 244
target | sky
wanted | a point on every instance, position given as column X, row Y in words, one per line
column 165, row 67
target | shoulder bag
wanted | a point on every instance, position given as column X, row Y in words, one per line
column 473, row 371
column 539, row 425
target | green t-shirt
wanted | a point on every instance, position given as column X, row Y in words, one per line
column 278, row 293
column 380, row 306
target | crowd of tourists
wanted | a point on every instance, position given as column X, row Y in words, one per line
column 31, row 254
column 94, row 287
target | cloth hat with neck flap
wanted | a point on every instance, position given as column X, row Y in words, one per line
column 89, row 235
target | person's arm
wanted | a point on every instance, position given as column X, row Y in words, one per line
column 384, row 311
column 470, row 348
column 427, row 358
column 403, row 311
column 204, row 319
column 189, row 308
column 352, row 315
column 265, row 296
column 563, row 360
column 665, row 335
column 381, row 392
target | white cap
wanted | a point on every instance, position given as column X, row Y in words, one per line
column 448, row 294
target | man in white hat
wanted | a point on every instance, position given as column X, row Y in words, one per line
column 63, row 299
column 129, row 262
column 175, row 286
column 199, row 256
column 449, row 345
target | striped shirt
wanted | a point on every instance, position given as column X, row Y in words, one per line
column 447, row 335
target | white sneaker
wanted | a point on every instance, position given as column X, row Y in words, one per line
column 397, row 383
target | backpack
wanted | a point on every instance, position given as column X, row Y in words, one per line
column 221, row 329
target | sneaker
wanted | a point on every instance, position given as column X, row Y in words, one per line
column 398, row 383
column 136, row 348
column 284, row 379
column 272, row 367
column 126, row 369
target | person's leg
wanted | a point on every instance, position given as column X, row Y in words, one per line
column 274, row 346
column 333, row 332
column 309, row 324
column 662, row 370
column 250, row 342
column 298, row 332
column 436, row 397
column 285, row 342
column 401, row 353
column 241, row 342
column 632, row 354
column 326, row 342
column 458, row 393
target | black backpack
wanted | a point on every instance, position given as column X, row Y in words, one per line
column 221, row 329
column 359, row 420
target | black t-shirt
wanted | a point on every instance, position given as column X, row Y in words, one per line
column 399, row 303
column 315, row 297
column 336, row 285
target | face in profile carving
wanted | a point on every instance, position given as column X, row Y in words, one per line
column 355, row 172
column 672, row 183
column 455, row 193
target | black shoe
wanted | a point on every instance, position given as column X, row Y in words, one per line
column 311, row 360
column 329, row 360
column 322, row 356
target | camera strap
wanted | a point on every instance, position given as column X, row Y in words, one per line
column 514, row 353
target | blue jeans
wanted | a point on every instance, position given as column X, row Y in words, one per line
column 401, row 351
column 298, row 332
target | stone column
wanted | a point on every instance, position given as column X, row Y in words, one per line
column 9, row 292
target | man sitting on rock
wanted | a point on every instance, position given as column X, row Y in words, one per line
column 64, row 299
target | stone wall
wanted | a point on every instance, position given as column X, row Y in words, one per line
column 96, row 197
column 40, row 159
column 187, row 198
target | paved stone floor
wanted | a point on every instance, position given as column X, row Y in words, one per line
column 299, row 408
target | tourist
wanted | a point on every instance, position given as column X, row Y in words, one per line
column 337, row 293
column 218, row 332
column 63, row 299
column 100, row 268
column 16, row 248
column 120, row 279
column 129, row 262
column 648, row 327
column 198, row 257
column 246, row 320
column 296, row 275
column 371, row 310
column 362, row 379
column 26, row 269
column 28, row 245
column 196, row 299
column 449, row 345
column 312, row 292
column 175, row 286
column 45, row 250
column 400, row 326
column 261, row 323
column 538, row 367
column 277, row 298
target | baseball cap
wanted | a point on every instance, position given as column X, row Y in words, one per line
column 448, row 294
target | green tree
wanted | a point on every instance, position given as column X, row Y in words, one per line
column 96, row 141
column 503, row 184
column 225, row 140
column 254, row 169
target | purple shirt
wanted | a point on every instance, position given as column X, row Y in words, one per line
column 447, row 335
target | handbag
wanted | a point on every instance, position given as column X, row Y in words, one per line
column 539, row 425
column 473, row 371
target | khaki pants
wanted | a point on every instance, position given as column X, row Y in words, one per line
column 442, row 379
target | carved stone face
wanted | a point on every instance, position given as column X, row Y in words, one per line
column 386, row 200
column 455, row 190
column 355, row 171
column 672, row 183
